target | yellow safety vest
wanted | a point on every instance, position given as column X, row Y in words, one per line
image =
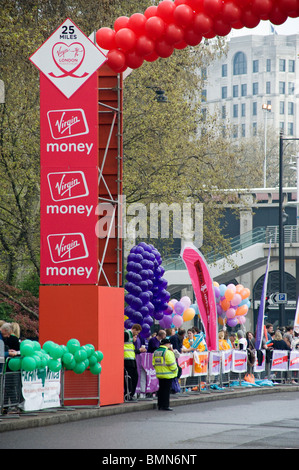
column 129, row 348
column 164, row 363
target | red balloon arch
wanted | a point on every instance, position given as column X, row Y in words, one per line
column 180, row 23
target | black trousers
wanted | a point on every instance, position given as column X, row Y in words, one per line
column 131, row 368
column 164, row 393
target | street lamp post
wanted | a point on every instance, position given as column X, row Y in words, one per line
column 267, row 108
column 281, row 228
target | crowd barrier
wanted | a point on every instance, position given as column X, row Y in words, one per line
column 204, row 371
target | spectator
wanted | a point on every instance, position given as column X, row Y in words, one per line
column 269, row 328
column 130, row 360
column 166, row 369
column 279, row 343
column 223, row 344
column 250, row 340
column 5, row 334
column 242, row 342
column 170, row 332
column 188, row 342
column 177, row 340
column 232, row 338
column 154, row 342
column 288, row 335
column 295, row 341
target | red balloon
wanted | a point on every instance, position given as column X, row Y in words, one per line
column 220, row 27
column 133, row 60
column 242, row 3
column 192, row 38
column 121, row 22
column 144, row 46
column 211, row 34
column 237, row 25
column 261, row 7
column 165, row 10
column 276, row 16
column 163, row 49
column 231, row 12
column 179, row 2
column 173, row 34
column 249, row 20
column 151, row 57
column 125, row 39
column 180, row 45
column 183, row 15
column 105, row 38
column 212, row 7
column 116, row 59
column 291, row 7
column 196, row 5
column 137, row 23
column 154, row 27
column 202, row 23
column 150, row 11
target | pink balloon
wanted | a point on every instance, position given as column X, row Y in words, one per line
column 231, row 313
column 236, row 300
column 177, row 321
column 241, row 320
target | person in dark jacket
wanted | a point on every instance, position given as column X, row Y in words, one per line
column 177, row 340
column 279, row 343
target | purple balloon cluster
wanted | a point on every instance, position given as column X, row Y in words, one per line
column 147, row 297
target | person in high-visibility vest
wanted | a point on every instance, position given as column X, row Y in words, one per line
column 166, row 369
column 131, row 379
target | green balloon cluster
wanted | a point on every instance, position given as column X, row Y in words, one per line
column 73, row 357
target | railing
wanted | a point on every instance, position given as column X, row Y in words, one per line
column 245, row 240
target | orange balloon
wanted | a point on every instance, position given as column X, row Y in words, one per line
column 215, row 283
column 245, row 293
column 239, row 288
column 221, row 321
column 225, row 304
column 188, row 314
column 228, row 294
column 171, row 305
column 242, row 310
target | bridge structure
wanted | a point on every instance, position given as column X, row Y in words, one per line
column 245, row 262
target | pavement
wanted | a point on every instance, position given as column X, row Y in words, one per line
column 23, row 420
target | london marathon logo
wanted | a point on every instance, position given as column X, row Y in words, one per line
column 68, row 58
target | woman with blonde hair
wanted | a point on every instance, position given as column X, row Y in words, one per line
column 223, row 344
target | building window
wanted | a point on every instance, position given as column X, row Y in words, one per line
column 281, row 126
column 240, row 64
column 268, row 88
column 254, row 128
column 223, row 112
column 281, row 107
column 291, row 88
column 235, row 91
column 290, row 109
column 235, row 111
column 282, row 65
column 291, row 66
column 255, row 88
column 254, row 108
column 243, row 130
column 235, row 132
column 204, row 95
column 268, row 65
column 290, row 128
column 243, row 109
column 282, row 88
column 255, row 66
column 224, row 92
column 224, row 70
column 244, row 89
column 204, row 73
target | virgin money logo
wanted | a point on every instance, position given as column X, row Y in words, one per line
column 66, row 247
column 66, row 185
column 65, row 123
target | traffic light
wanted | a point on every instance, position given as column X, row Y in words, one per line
column 267, row 304
column 285, row 217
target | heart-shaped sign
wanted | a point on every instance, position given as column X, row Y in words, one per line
column 68, row 58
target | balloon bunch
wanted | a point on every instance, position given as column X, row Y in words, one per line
column 232, row 303
column 180, row 23
column 147, row 297
column 181, row 311
column 73, row 356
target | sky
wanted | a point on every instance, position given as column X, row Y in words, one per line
column 291, row 26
